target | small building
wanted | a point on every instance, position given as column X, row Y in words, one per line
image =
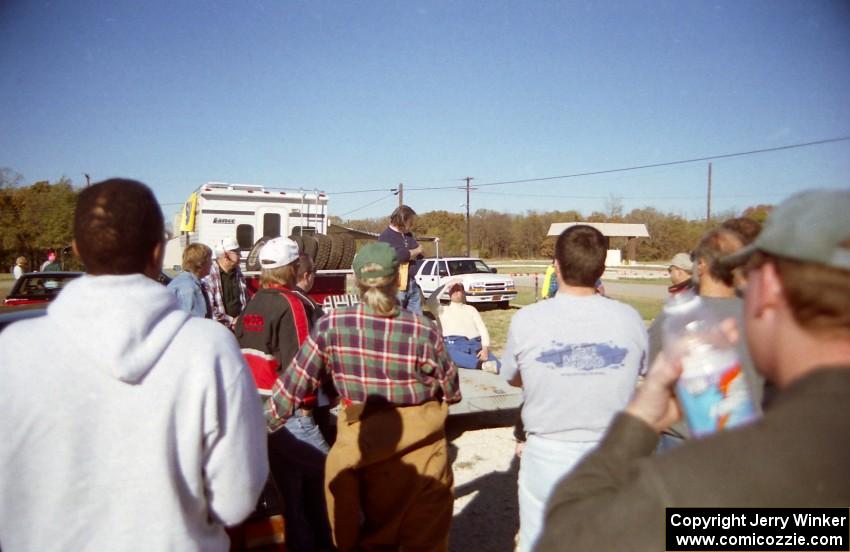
column 632, row 232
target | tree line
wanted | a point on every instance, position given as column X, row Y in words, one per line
column 525, row 236
column 38, row 217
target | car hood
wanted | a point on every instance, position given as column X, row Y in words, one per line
column 484, row 277
column 121, row 324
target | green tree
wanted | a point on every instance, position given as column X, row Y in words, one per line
column 36, row 218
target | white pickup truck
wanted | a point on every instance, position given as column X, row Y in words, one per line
column 482, row 283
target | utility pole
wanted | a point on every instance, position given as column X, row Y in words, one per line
column 468, row 250
column 88, row 179
column 708, row 207
column 400, row 194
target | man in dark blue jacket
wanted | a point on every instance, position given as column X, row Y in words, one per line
column 408, row 250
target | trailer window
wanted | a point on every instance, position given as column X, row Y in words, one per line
column 245, row 236
column 271, row 225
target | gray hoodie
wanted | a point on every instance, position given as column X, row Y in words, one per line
column 126, row 424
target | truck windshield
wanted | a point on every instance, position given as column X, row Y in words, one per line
column 467, row 266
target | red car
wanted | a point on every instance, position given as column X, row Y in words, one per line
column 38, row 287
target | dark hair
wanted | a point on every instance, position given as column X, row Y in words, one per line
column 305, row 266
column 117, row 225
column 713, row 245
column 580, row 253
column 746, row 228
column 402, row 217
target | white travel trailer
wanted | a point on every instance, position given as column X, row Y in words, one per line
column 217, row 211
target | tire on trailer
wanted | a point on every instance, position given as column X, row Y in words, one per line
column 336, row 252
column 348, row 249
column 323, row 252
column 297, row 239
column 311, row 246
column 252, row 262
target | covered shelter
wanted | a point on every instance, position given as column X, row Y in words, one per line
column 632, row 232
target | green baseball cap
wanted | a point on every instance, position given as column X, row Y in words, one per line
column 811, row 226
column 375, row 260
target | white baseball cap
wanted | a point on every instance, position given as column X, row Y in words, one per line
column 278, row 252
column 225, row 245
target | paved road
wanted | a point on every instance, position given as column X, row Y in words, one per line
column 612, row 287
column 648, row 291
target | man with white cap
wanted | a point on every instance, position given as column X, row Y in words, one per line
column 681, row 271
column 270, row 333
column 225, row 283
column 797, row 323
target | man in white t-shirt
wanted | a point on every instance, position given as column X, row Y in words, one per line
column 577, row 358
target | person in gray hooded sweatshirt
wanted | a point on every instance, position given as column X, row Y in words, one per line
column 140, row 428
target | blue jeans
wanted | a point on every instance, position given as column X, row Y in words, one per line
column 297, row 454
column 464, row 351
column 411, row 298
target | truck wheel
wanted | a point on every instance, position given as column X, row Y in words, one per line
column 323, row 252
column 252, row 263
column 336, row 252
column 348, row 249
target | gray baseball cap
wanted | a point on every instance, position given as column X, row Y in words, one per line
column 811, row 226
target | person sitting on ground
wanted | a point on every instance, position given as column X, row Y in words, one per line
column 20, row 267
column 681, row 273
column 464, row 332
column 187, row 286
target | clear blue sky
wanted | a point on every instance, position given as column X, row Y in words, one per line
column 347, row 96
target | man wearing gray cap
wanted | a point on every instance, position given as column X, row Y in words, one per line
column 797, row 322
column 681, row 271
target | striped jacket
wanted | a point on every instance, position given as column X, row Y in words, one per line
column 270, row 332
column 214, row 292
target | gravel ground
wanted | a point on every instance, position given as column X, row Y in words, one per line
column 486, row 516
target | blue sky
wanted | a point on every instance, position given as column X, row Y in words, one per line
column 349, row 96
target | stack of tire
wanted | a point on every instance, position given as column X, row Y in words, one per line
column 334, row 252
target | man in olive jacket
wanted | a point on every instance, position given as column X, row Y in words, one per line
column 797, row 318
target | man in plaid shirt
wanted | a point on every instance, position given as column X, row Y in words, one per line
column 395, row 381
column 225, row 285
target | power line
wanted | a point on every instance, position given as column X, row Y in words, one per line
column 562, row 196
column 367, row 205
column 669, row 163
column 623, row 169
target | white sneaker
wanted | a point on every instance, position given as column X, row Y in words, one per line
column 490, row 366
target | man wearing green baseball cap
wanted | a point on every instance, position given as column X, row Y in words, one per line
column 797, row 322
column 395, row 381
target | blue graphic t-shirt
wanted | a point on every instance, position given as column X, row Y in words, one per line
column 579, row 359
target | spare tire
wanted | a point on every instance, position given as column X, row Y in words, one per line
column 299, row 241
column 337, row 247
column 348, row 250
column 323, row 252
column 252, row 263
column 311, row 246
